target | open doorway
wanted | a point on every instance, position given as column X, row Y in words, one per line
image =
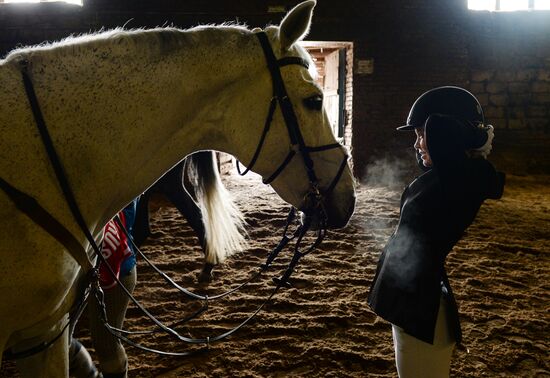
column 334, row 62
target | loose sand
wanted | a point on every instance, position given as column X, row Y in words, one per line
column 322, row 326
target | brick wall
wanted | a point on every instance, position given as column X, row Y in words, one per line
column 413, row 46
column 348, row 101
column 509, row 71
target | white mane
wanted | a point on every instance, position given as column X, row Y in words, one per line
column 161, row 37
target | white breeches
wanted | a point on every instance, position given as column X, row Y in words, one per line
column 417, row 359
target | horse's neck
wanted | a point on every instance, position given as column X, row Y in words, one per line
column 182, row 102
column 147, row 112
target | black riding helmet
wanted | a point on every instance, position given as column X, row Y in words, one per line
column 453, row 102
column 450, row 101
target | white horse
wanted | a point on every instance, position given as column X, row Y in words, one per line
column 113, row 101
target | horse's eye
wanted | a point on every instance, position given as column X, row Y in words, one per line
column 314, row 102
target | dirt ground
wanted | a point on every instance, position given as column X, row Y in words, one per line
column 322, row 326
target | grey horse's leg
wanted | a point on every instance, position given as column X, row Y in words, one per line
column 112, row 357
column 173, row 187
column 81, row 364
column 177, row 189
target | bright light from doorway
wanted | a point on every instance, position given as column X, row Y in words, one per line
column 542, row 4
column 481, row 4
column 77, row 2
column 508, row 5
column 513, row 5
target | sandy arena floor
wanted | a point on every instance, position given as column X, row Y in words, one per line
column 322, row 327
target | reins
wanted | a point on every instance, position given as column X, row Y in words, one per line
column 313, row 203
column 280, row 282
column 271, row 256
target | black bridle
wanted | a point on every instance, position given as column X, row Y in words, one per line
column 312, row 204
column 313, row 198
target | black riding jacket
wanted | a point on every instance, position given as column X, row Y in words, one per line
column 436, row 209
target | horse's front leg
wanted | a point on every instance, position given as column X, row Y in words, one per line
column 53, row 362
column 110, row 352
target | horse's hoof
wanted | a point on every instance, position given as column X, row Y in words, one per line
column 123, row 374
column 80, row 362
column 205, row 278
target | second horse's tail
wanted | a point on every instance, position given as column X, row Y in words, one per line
column 223, row 221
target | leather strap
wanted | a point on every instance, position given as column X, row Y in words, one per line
column 30, row 207
column 54, row 157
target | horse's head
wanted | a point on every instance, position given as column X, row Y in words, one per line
column 300, row 156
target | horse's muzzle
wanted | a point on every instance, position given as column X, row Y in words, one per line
column 338, row 210
column 328, row 213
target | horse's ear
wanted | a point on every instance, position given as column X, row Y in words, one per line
column 296, row 23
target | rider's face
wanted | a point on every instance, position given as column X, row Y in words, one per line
column 420, row 146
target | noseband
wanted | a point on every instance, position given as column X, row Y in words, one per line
column 314, row 196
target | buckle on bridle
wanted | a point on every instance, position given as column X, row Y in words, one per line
column 313, row 207
column 313, row 198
